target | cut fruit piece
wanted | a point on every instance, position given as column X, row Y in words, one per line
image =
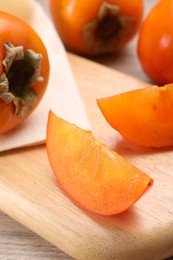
column 94, row 176
column 144, row 116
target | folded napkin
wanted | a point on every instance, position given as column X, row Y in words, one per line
column 62, row 95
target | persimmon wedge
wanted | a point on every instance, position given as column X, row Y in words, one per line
column 94, row 176
column 143, row 116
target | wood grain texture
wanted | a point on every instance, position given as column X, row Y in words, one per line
column 30, row 194
column 17, row 242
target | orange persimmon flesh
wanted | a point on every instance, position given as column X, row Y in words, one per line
column 94, row 176
column 143, row 116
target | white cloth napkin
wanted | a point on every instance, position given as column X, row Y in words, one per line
column 62, row 95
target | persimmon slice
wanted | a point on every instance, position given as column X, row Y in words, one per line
column 94, row 176
column 143, row 116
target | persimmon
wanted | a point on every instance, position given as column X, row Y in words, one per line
column 94, row 176
column 24, row 71
column 142, row 116
column 96, row 27
column 155, row 43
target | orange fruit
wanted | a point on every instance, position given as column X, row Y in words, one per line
column 94, row 176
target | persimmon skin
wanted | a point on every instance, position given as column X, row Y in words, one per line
column 143, row 116
column 19, row 33
column 71, row 16
column 97, row 178
column 155, row 43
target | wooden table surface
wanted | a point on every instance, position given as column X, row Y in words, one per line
column 16, row 241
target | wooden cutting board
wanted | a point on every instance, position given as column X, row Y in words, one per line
column 30, row 194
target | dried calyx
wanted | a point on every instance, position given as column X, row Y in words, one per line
column 104, row 34
column 21, row 71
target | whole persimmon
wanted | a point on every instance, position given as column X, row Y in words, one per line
column 155, row 43
column 96, row 27
column 24, row 71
